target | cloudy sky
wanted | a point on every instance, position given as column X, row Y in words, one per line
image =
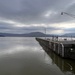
column 24, row 16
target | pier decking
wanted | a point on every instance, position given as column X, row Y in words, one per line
column 64, row 48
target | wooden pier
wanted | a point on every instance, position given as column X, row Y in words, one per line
column 65, row 48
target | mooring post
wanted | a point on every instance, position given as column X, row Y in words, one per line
column 62, row 50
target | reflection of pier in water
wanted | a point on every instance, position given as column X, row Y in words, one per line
column 66, row 65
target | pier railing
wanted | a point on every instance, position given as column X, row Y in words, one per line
column 61, row 38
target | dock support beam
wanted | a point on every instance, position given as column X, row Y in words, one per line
column 62, row 50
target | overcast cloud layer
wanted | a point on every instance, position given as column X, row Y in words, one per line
column 22, row 16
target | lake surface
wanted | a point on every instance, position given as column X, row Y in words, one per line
column 24, row 56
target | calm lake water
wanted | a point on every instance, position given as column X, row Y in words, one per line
column 24, row 56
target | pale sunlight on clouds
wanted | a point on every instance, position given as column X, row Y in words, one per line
column 64, row 25
column 58, row 32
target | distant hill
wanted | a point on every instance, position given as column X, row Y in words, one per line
column 32, row 34
column 69, row 34
column 35, row 34
column 2, row 36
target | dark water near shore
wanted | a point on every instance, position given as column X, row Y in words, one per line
column 24, row 56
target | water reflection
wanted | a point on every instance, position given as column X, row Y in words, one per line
column 24, row 56
column 67, row 66
column 20, row 56
column 14, row 45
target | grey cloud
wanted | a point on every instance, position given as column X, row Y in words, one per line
column 5, row 25
column 32, row 12
column 71, row 9
column 7, row 28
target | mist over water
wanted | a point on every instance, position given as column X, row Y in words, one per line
column 24, row 56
